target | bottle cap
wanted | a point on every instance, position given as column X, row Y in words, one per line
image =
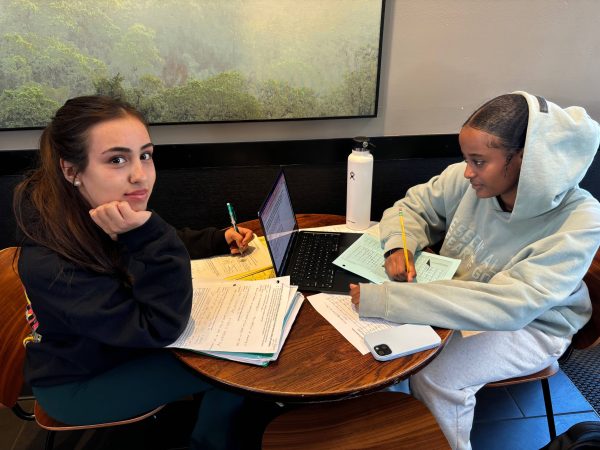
column 364, row 144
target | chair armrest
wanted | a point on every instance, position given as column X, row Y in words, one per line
column 589, row 335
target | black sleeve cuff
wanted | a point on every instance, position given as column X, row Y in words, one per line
column 204, row 243
column 389, row 252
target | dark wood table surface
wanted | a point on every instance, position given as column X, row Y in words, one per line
column 316, row 363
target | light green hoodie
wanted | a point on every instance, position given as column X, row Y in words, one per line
column 518, row 269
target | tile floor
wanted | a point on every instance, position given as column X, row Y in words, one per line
column 510, row 418
column 514, row 417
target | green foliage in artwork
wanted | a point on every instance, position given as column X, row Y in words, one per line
column 27, row 106
column 356, row 94
column 111, row 87
column 280, row 100
column 185, row 61
column 135, row 53
column 30, row 58
column 220, row 98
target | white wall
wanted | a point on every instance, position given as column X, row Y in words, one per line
column 441, row 59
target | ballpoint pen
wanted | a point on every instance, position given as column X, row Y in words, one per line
column 404, row 240
column 234, row 222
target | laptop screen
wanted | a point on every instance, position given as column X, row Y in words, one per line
column 278, row 221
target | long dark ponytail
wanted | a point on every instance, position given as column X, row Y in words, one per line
column 49, row 209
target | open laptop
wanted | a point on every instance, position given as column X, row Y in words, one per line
column 306, row 256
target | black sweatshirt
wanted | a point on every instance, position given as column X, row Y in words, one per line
column 90, row 322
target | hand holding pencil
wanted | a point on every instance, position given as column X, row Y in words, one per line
column 395, row 266
column 400, row 265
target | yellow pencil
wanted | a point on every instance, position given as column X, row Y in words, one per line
column 404, row 240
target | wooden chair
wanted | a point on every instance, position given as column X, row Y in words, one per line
column 384, row 420
column 587, row 337
column 13, row 331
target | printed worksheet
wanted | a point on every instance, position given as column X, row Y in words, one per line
column 432, row 267
column 365, row 258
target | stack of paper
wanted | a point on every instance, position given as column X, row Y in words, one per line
column 245, row 321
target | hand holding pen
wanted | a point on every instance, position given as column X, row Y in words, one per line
column 238, row 235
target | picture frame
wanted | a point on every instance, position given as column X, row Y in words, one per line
column 192, row 61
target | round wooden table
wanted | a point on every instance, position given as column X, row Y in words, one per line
column 316, row 363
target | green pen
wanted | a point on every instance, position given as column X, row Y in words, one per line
column 233, row 222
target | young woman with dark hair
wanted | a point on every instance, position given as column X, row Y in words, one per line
column 525, row 233
column 109, row 282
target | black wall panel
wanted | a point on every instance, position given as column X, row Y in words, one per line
column 194, row 182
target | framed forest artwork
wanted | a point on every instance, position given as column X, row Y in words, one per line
column 192, row 61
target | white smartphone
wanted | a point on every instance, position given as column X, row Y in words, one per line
column 401, row 341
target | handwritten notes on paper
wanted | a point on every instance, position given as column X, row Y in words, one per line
column 231, row 267
column 365, row 258
column 237, row 316
column 339, row 311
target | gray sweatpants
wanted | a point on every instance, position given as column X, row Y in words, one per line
column 449, row 383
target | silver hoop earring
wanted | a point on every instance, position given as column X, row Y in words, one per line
column 76, row 183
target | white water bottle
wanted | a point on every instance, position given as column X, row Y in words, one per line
column 359, row 184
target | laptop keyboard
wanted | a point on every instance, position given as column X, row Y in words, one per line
column 312, row 266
